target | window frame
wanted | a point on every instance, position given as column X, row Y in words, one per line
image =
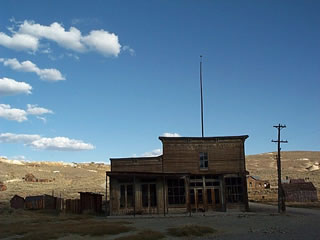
column 203, row 160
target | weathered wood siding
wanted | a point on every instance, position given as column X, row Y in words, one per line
column 153, row 164
column 224, row 156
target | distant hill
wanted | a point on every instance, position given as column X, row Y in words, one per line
column 294, row 164
column 68, row 179
column 65, row 179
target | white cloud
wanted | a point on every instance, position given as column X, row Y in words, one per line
column 50, row 74
column 14, row 114
column 153, row 153
column 129, row 49
column 11, row 87
column 19, row 41
column 43, row 119
column 61, row 144
column 20, row 115
column 55, row 32
column 100, row 41
column 18, row 138
column 19, row 157
column 35, row 110
column 37, row 142
column 171, row 135
column 103, row 42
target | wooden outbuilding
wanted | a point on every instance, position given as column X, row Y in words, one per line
column 300, row 192
column 17, row 202
column 41, row 202
column 73, row 206
column 90, row 202
column 192, row 174
column 254, row 183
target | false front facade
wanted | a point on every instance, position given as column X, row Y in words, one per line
column 192, row 174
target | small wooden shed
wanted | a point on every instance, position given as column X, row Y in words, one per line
column 300, row 192
column 40, row 202
column 91, row 202
column 17, row 202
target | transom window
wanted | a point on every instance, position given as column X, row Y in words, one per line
column 203, row 160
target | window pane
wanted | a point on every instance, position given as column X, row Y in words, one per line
column 144, row 191
column 153, row 195
column 129, row 196
column 122, row 196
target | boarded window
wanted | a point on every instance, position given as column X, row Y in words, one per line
column 234, row 189
column 203, row 160
column 176, row 191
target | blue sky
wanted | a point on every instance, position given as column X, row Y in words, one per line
column 85, row 81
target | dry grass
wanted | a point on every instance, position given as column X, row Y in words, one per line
column 144, row 235
column 190, row 230
column 46, row 227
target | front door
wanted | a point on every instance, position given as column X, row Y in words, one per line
column 197, row 199
column 213, row 198
column 149, row 197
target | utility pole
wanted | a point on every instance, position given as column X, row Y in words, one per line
column 281, row 200
column 202, row 133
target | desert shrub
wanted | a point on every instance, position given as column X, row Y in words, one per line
column 190, row 230
column 55, row 229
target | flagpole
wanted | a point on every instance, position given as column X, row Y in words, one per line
column 202, row 133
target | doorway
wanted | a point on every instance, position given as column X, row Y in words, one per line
column 197, row 199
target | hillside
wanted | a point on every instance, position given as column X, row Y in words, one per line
column 294, row 164
column 68, row 179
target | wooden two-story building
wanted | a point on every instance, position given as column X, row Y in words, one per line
column 192, row 174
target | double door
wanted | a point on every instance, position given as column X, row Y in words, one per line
column 203, row 199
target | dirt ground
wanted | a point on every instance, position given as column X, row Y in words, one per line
column 262, row 222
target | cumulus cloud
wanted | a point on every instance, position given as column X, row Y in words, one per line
column 18, row 138
column 49, row 74
column 43, row 143
column 19, row 41
column 103, row 42
column 20, row 115
column 171, row 135
column 153, row 153
column 30, row 33
column 61, row 144
column 11, row 87
column 13, row 114
column 35, row 110
column 55, row 32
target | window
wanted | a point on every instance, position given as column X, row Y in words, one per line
column 149, row 195
column 203, row 160
column 126, row 196
column 176, row 191
column 234, row 189
column 144, row 190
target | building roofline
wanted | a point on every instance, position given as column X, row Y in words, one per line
column 205, row 138
column 137, row 158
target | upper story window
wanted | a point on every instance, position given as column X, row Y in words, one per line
column 203, row 160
